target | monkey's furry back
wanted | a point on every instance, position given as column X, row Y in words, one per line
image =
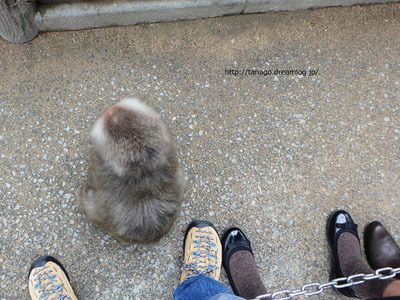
column 135, row 185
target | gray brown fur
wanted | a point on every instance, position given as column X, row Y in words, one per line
column 135, row 185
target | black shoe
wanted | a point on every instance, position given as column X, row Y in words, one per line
column 233, row 240
column 339, row 222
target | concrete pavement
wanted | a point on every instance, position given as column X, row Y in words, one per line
column 272, row 154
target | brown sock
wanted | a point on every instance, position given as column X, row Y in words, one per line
column 245, row 275
column 352, row 262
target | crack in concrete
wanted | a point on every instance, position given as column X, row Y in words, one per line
column 244, row 7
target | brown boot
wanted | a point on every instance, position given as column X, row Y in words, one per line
column 48, row 280
column 202, row 251
column 380, row 248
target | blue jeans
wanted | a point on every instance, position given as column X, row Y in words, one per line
column 203, row 288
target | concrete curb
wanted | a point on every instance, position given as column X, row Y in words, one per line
column 258, row 6
column 85, row 15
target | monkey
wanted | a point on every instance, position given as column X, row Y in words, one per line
column 134, row 186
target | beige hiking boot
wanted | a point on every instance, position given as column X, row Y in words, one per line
column 48, row 280
column 202, row 251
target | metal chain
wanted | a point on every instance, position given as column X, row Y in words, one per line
column 338, row 283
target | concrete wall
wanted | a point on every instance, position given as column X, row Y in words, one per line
column 54, row 15
column 93, row 14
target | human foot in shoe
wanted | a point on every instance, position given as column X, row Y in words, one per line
column 202, row 251
column 380, row 247
column 240, row 266
column 48, row 280
column 347, row 258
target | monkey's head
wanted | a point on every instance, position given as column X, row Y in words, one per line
column 129, row 134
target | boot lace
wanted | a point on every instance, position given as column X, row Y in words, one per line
column 205, row 256
column 48, row 287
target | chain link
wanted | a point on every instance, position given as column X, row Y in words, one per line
column 338, row 283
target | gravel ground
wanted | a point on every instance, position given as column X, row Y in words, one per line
column 272, row 154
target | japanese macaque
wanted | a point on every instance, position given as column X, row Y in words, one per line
column 135, row 186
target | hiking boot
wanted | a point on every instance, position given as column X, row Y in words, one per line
column 202, row 251
column 48, row 280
